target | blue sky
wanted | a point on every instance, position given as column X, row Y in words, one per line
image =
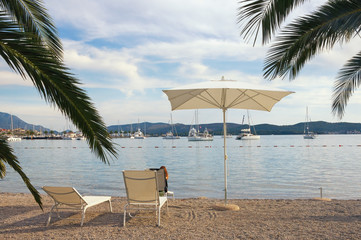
column 126, row 52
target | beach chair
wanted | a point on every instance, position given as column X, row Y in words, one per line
column 70, row 198
column 142, row 192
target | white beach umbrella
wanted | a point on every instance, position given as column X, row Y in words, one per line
column 224, row 94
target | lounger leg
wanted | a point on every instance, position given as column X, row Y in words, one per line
column 83, row 216
column 158, row 216
column 52, row 208
column 110, row 206
column 125, row 214
column 167, row 206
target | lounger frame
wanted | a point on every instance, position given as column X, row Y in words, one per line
column 142, row 193
column 70, row 198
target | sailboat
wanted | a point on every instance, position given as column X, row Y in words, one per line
column 306, row 131
column 131, row 136
column 246, row 133
column 139, row 134
column 170, row 134
column 12, row 138
column 195, row 135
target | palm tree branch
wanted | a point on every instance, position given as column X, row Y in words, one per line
column 32, row 17
column 336, row 21
column 264, row 15
column 57, row 86
column 7, row 156
column 348, row 79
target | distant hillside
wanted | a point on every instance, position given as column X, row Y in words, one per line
column 5, row 123
column 319, row 127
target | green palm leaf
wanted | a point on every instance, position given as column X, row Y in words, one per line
column 266, row 16
column 336, row 21
column 58, row 87
column 349, row 78
column 31, row 16
column 30, row 46
column 7, row 156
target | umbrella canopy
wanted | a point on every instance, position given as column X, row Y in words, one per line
column 224, row 94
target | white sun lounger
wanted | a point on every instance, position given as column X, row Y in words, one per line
column 142, row 192
column 70, row 198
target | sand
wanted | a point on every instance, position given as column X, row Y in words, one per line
column 21, row 218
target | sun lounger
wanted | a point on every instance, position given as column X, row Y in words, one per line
column 142, row 192
column 69, row 198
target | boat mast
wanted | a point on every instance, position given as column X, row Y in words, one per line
column 306, row 129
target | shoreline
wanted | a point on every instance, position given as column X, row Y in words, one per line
column 193, row 218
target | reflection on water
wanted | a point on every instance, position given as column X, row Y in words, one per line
column 272, row 167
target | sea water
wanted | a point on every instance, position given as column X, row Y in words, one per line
column 277, row 167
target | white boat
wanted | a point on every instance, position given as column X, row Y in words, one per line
column 306, row 131
column 131, row 135
column 139, row 134
column 195, row 135
column 12, row 138
column 170, row 134
column 246, row 133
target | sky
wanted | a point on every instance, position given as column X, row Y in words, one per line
column 125, row 52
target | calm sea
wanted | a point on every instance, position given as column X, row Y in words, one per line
column 272, row 167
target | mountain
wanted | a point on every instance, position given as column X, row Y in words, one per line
column 319, row 127
column 159, row 128
column 5, row 123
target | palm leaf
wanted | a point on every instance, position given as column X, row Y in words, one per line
column 58, row 87
column 336, row 21
column 263, row 15
column 7, row 156
column 55, row 84
column 31, row 16
column 30, row 46
column 349, row 78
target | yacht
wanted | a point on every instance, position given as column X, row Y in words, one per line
column 170, row 134
column 306, row 131
column 12, row 138
column 246, row 133
column 195, row 135
column 139, row 134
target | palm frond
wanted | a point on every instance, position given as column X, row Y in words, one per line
column 58, row 87
column 349, row 78
column 266, row 16
column 55, row 84
column 7, row 156
column 336, row 21
column 31, row 15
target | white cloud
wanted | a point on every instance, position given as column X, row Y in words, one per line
column 170, row 19
column 9, row 77
column 141, row 47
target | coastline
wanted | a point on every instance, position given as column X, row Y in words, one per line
column 194, row 218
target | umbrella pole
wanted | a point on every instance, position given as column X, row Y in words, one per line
column 225, row 155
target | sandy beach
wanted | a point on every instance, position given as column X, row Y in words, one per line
column 21, row 218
